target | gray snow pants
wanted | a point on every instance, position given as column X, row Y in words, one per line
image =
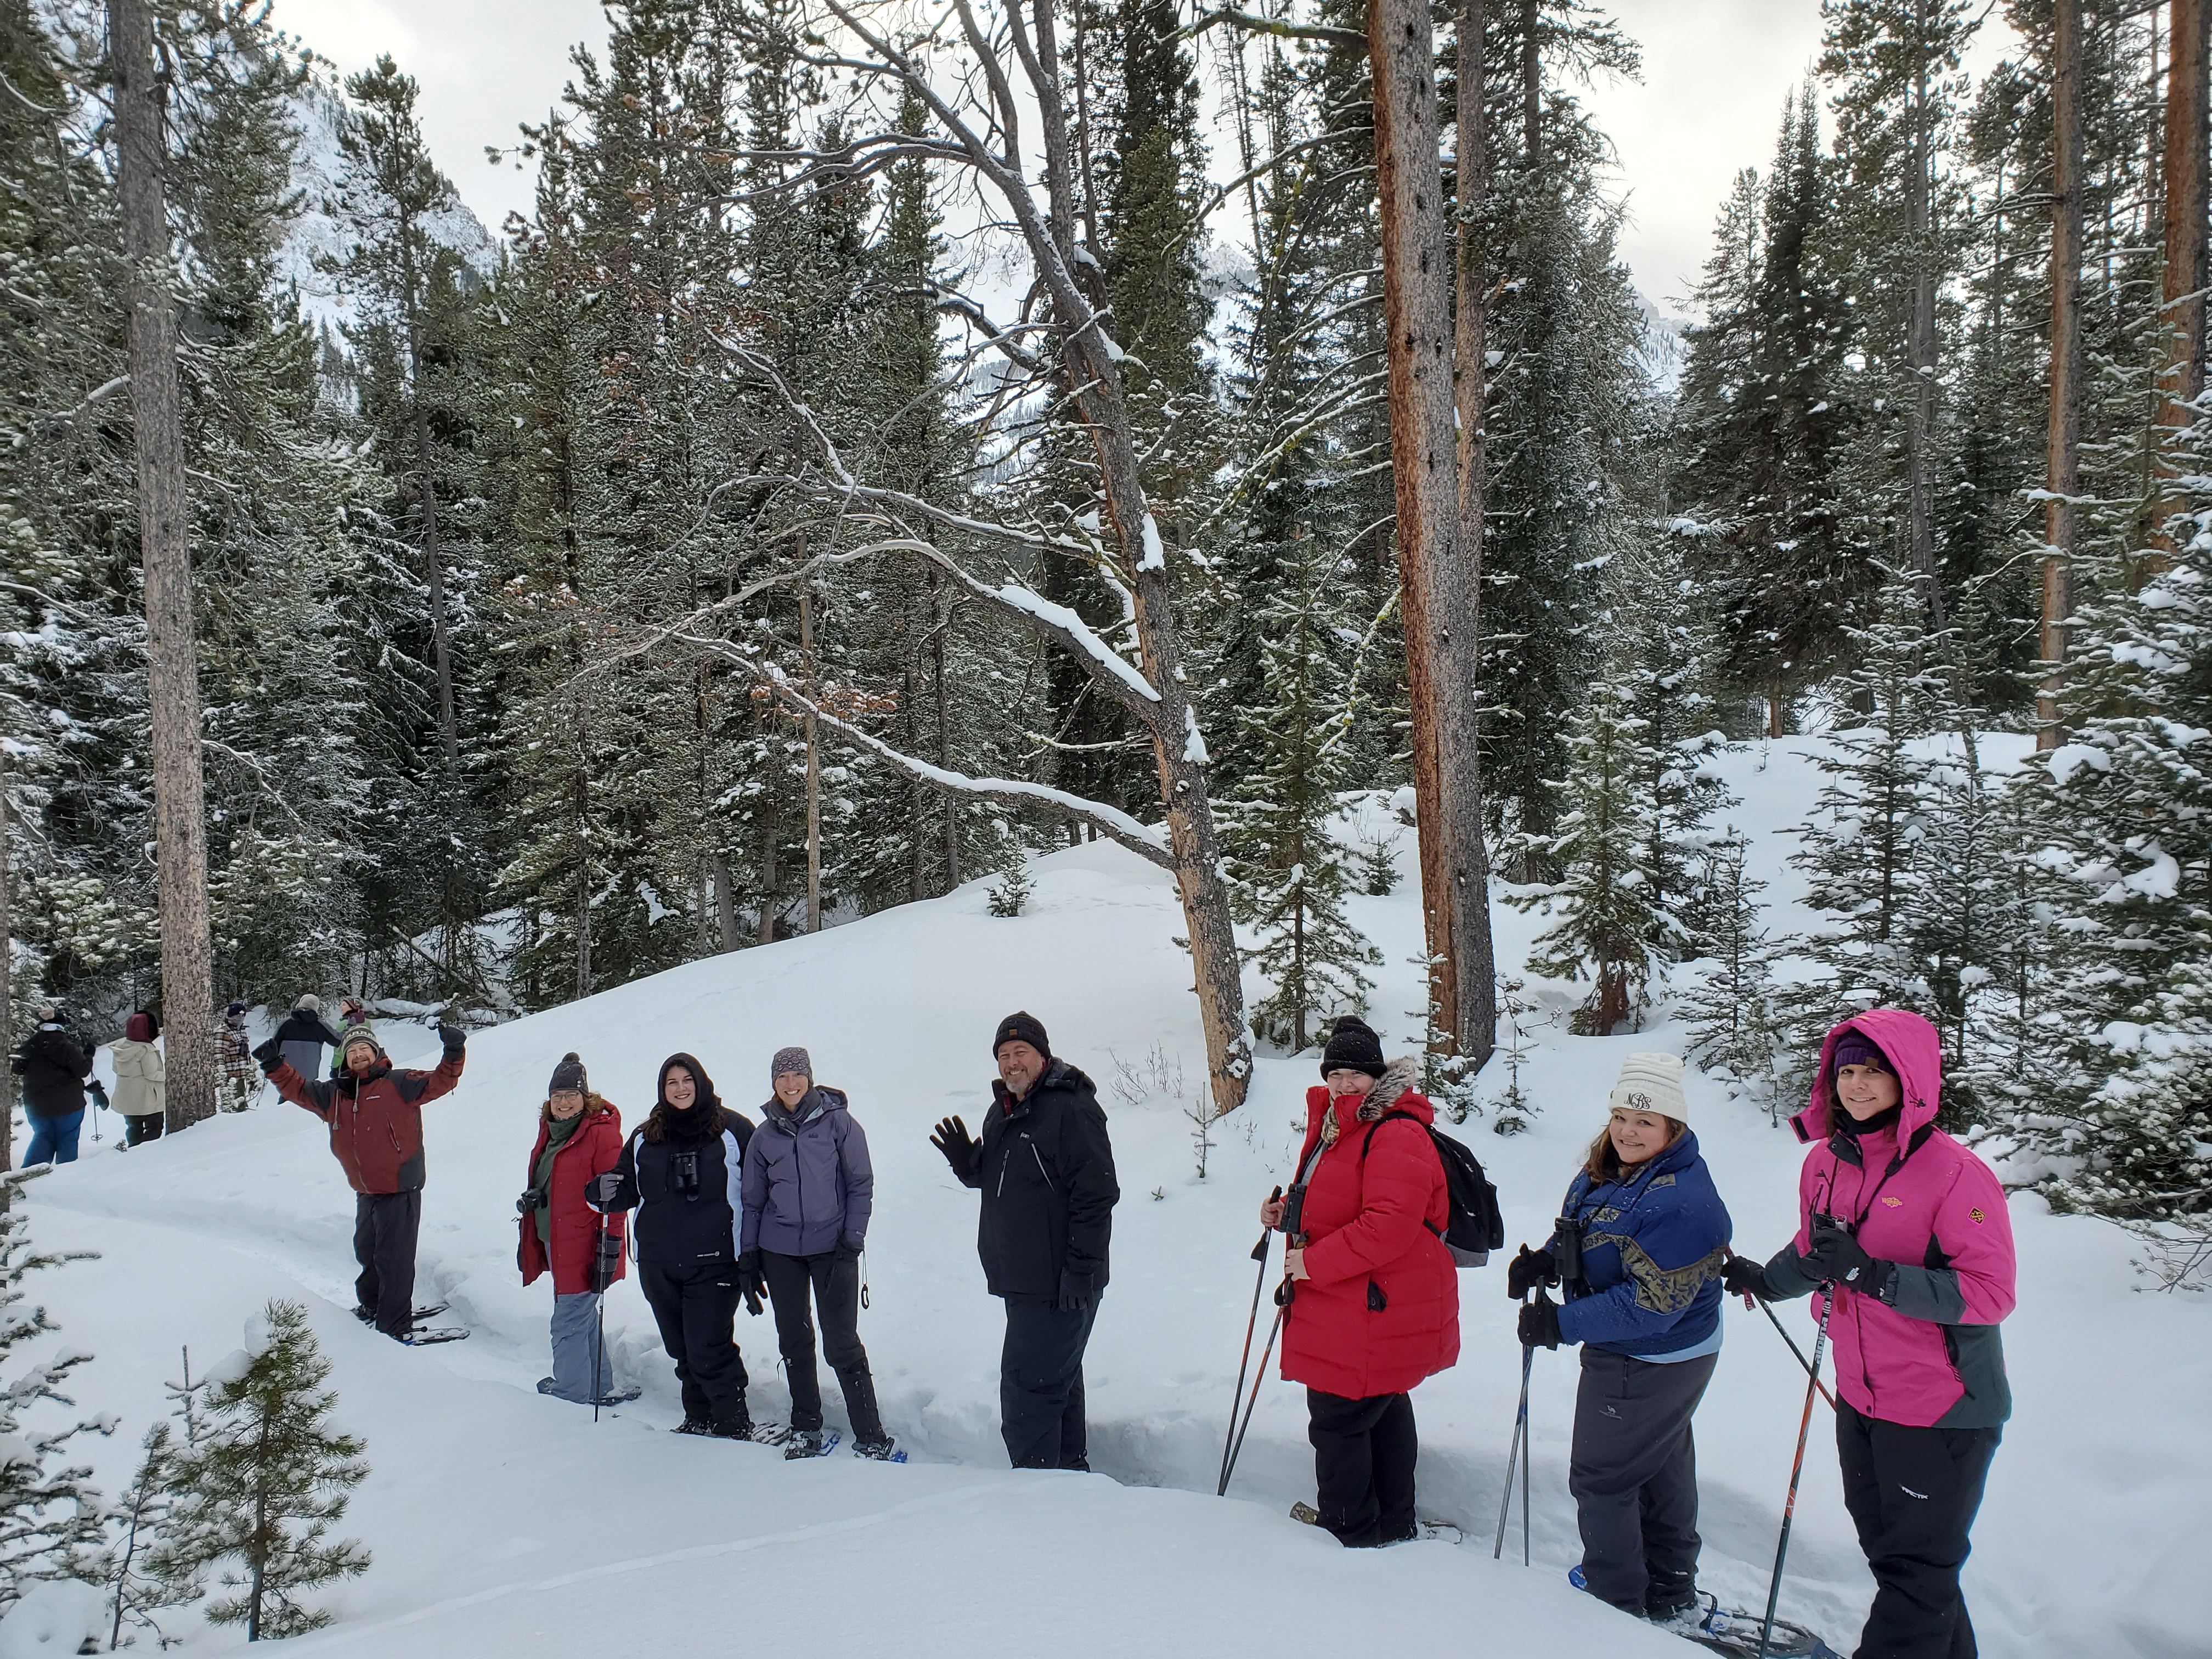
column 576, row 1348
column 1633, row 1471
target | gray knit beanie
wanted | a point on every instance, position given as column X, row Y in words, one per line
column 793, row 1059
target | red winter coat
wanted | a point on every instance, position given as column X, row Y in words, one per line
column 591, row 1151
column 376, row 1121
column 1369, row 1222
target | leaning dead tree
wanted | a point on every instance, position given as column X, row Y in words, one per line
column 980, row 83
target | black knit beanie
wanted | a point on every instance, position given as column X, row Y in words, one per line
column 1354, row 1047
column 1022, row 1028
column 569, row 1074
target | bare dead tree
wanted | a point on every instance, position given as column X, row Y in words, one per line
column 172, row 685
column 2062, row 479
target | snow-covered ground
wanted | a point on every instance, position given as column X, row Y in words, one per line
column 504, row 1522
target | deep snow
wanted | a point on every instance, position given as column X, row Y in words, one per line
column 502, row 1522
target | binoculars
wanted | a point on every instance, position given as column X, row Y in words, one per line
column 1567, row 1248
column 684, row 1169
column 531, row 1201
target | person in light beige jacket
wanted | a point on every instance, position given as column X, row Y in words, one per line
column 141, row 1086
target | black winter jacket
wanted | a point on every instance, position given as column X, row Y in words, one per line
column 53, row 1069
column 1046, row 1169
column 688, row 1194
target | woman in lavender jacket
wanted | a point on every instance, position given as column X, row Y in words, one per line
column 808, row 1190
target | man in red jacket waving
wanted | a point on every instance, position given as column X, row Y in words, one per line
column 375, row 1116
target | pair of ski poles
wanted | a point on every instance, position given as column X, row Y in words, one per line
column 1233, row 1446
column 1797, row 1464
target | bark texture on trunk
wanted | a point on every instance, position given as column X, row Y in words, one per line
column 2063, row 461
column 172, row 683
column 1921, row 343
column 1437, row 597
column 2186, row 205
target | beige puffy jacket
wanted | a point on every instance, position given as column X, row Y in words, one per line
column 141, row 1090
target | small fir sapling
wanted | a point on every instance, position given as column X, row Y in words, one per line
column 1010, row 894
column 266, row 1482
column 52, row 1524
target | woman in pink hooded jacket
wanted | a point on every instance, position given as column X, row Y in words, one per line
column 1905, row 1232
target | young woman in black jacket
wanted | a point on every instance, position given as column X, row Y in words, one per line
column 681, row 1171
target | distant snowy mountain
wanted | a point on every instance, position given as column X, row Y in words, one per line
column 321, row 238
column 1663, row 344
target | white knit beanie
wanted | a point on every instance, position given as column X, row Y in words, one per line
column 1651, row 1083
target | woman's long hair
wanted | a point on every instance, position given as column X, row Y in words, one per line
column 706, row 1108
column 1604, row 1163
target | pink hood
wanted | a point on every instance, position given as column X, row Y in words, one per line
column 1914, row 1049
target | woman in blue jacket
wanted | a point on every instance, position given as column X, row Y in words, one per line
column 1644, row 1299
column 808, row 1191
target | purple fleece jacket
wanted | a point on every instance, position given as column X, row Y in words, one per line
column 808, row 1182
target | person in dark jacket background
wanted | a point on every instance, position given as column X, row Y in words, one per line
column 303, row 1037
column 54, row 1070
column 579, row 1138
column 375, row 1116
column 1045, row 1167
column 1646, row 1308
column 808, row 1191
column 683, row 1172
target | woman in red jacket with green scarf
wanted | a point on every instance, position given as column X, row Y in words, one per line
column 579, row 1136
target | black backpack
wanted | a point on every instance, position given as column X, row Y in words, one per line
column 1477, row 1226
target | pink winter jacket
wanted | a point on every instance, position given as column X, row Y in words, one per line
column 1926, row 1352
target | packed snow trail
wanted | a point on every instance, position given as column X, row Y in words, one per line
column 2094, row 1521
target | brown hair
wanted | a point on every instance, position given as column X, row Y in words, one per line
column 1604, row 1163
column 706, row 1107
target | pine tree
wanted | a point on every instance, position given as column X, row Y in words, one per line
column 1729, row 1006
column 145, row 1579
column 1291, row 870
column 52, row 1524
column 267, row 1480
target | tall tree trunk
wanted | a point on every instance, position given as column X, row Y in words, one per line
column 583, row 803
column 813, row 767
column 2063, row 472
column 1532, row 84
column 2187, row 102
column 1475, row 966
column 6, row 989
column 1920, row 346
column 726, row 901
column 426, row 503
column 172, row 683
column 1437, row 599
column 940, row 612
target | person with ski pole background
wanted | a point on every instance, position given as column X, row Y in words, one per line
column 1637, row 1252
column 140, row 1074
column 683, row 1171
column 579, row 1138
column 1909, row 1227
column 1045, row 1169
column 375, row 1118
column 1372, row 1291
column 809, row 1189
column 55, row 1072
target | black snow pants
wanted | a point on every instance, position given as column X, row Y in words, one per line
column 696, row 1310
column 1363, row 1455
column 1041, row 1385
column 384, row 1226
column 137, row 1131
column 1633, row 1472
column 834, row 1283
column 1912, row 1494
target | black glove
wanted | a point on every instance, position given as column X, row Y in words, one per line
column 1540, row 1324
column 529, row 1203
column 604, row 1188
column 1742, row 1276
column 752, row 1282
column 1529, row 1269
column 1838, row 1256
column 1077, row 1291
column 270, row 1056
column 849, row 1248
column 453, row 1037
column 951, row 1138
column 606, row 1260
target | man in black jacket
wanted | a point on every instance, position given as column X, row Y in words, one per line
column 1046, row 1172
column 55, row 1071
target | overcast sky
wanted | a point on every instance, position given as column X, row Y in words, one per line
column 1715, row 76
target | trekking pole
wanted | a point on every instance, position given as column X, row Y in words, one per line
column 1780, row 1330
column 1512, row 1458
column 1796, row 1467
column 1251, row 1324
column 599, row 1349
column 1236, row 1449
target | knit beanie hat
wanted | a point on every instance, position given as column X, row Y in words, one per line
column 1022, row 1028
column 793, row 1059
column 567, row 1075
column 47, row 1014
column 311, row 1002
column 1354, row 1047
column 1650, row 1083
column 139, row 1028
column 359, row 1031
column 1855, row 1048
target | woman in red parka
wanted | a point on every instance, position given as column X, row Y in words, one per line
column 579, row 1137
column 1373, row 1300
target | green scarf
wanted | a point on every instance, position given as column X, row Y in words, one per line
column 557, row 1133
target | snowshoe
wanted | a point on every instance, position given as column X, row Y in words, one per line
column 1433, row 1532
column 428, row 1310
column 811, row 1443
column 618, row 1396
column 770, row 1434
column 1730, row 1631
column 1305, row 1515
column 885, row 1450
column 694, row 1426
column 420, row 1338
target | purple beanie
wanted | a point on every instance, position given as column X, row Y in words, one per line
column 1855, row 1048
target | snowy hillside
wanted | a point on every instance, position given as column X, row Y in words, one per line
column 504, row 1522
